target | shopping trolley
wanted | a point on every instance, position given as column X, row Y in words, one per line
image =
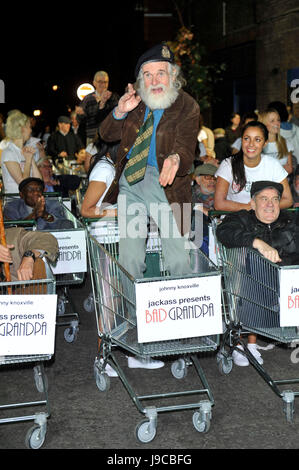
column 114, row 292
column 69, row 270
column 253, row 288
column 35, row 436
column 106, row 232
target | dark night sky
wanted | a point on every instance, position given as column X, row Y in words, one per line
column 42, row 48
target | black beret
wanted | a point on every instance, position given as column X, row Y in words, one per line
column 30, row 180
column 258, row 186
column 158, row 53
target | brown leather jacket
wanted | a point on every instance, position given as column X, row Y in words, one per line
column 176, row 133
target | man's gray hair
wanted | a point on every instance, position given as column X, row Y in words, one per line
column 173, row 70
column 101, row 73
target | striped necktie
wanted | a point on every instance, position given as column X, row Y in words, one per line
column 136, row 166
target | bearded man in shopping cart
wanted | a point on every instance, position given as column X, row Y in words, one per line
column 157, row 124
column 274, row 233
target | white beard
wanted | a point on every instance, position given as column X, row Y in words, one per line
column 161, row 101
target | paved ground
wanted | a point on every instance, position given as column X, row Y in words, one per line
column 246, row 414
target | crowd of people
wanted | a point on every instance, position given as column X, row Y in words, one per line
column 150, row 146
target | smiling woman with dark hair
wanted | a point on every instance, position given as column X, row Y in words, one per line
column 236, row 174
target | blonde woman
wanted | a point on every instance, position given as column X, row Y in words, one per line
column 277, row 146
column 17, row 161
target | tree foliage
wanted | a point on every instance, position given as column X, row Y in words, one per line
column 190, row 55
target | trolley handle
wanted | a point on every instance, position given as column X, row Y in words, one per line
column 20, row 223
column 214, row 213
column 87, row 220
column 45, row 193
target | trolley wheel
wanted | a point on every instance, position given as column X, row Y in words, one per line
column 179, row 369
column 225, row 363
column 70, row 334
column 201, row 424
column 88, row 304
column 102, row 380
column 35, row 437
column 145, row 432
column 288, row 404
column 60, row 306
column 289, row 412
column 41, row 380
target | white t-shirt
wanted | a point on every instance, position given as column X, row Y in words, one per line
column 268, row 169
column 11, row 153
column 104, row 172
column 271, row 150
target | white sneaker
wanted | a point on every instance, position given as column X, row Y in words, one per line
column 238, row 358
column 253, row 349
column 148, row 363
column 109, row 370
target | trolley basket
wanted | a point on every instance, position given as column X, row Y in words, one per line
column 114, row 292
column 69, row 270
column 15, row 364
column 253, row 288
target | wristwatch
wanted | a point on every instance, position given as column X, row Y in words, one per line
column 28, row 254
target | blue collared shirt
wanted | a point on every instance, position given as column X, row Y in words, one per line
column 152, row 158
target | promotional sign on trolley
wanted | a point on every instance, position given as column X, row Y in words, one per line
column 72, row 252
column 27, row 324
column 178, row 308
column 289, row 296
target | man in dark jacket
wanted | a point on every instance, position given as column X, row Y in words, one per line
column 272, row 232
column 275, row 235
column 63, row 142
column 96, row 106
column 32, row 205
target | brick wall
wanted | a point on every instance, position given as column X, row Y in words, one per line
column 258, row 39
